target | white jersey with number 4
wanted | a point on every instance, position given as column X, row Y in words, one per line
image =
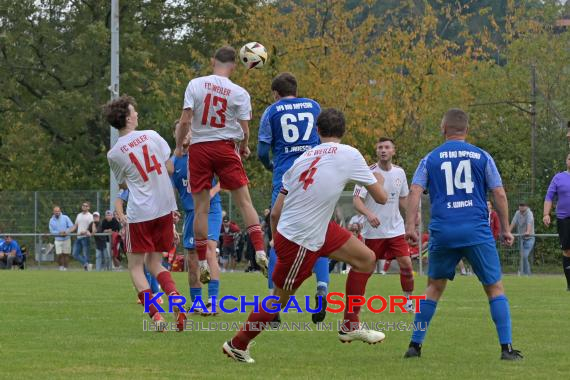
column 391, row 221
column 314, row 184
column 217, row 104
column 139, row 159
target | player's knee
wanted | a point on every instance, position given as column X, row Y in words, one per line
column 494, row 290
column 367, row 263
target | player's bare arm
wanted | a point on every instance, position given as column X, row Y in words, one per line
column 412, row 213
column 121, row 217
column 362, row 209
column 169, row 167
column 502, row 208
column 244, row 144
column 276, row 212
column 182, row 130
column 376, row 190
column 546, row 213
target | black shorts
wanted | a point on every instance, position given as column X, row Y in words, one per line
column 563, row 226
column 229, row 252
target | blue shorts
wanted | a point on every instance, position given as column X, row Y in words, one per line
column 214, row 225
column 483, row 258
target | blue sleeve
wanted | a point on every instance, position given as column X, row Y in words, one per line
column 421, row 174
column 263, row 149
column 492, row 175
column 265, row 134
column 69, row 222
column 124, row 195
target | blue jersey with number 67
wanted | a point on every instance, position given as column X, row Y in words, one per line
column 289, row 125
column 458, row 176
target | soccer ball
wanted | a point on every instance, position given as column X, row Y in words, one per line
column 253, row 55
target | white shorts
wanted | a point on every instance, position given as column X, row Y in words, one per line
column 63, row 246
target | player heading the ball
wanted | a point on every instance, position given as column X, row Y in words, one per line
column 217, row 112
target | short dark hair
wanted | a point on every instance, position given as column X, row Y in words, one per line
column 456, row 120
column 116, row 111
column 285, row 84
column 225, row 54
column 384, row 139
column 331, row 123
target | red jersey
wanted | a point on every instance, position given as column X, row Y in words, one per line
column 228, row 234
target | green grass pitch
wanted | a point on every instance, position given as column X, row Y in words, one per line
column 88, row 325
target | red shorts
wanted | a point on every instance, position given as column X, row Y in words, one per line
column 295, row 263
column 155, row 235
column 387, row 249
column 215, row 157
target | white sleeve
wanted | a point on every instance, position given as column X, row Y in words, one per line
column 118, row 172
column 162, row 146
column 360, row 191
column 243, row 105
column 405, row 190
column 286, row 178
column 188, row 97
column 360, row 172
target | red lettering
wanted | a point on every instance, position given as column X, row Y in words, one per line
column 398, row 301
column 372, row 299
column 417, row 301
column 331, row 301
column 354, row 301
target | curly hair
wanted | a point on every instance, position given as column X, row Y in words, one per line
column 116, row 111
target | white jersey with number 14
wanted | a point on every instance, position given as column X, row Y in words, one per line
column 138, row 159
column 314, row 184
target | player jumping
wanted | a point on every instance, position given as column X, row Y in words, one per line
column 139, row 160
column 303, row 230
column 218, row 112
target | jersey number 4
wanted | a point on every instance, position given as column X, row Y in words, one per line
column 150, row 166
column 219, row 120
column 307, row 176
column 454, row 182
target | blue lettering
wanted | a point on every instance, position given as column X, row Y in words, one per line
column 176, row 300
column 275, row 307
column 292, row 304
column 152, row 301
column 213, row 307
column 222, row 307
column 198, row 304
column 308, row 304
column 244, row 303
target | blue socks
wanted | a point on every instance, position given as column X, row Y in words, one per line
column 154, row 288
column 422, row 320
column 502, row 318
column 321, row 270
column 213, row 288
column 271, row 267
column 194, row 293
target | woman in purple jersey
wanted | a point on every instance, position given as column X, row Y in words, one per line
column 560, row 189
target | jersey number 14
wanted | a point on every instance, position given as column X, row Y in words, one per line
column 453, row 182
column 149, row 166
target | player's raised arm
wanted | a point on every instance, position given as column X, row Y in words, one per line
column 182, row 130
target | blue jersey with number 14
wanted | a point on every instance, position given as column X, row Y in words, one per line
column 289, row 125
column 458, row 176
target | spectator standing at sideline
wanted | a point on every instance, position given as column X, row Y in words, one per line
column 559, row 190
column 229, row 232
column 111, row 225
column 60, row 225
column 81, row 245
column 524, row 222
column 101, row 256
column 494, row 221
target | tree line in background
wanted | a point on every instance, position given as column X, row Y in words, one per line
column 394, row 67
